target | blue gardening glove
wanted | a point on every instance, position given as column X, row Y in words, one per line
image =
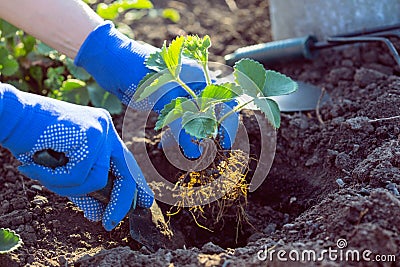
column 117, row 63
column 30, row 123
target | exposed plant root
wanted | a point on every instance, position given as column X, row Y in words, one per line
column 317, row 110
column 226, row 176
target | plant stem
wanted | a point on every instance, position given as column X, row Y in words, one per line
column 206, row 72
column 187, row 88
column 214, row 102
column 235, row 109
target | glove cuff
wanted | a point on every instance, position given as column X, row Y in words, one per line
column 109, row 56
column 94, row 43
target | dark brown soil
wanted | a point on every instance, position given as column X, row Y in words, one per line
column 336, row 172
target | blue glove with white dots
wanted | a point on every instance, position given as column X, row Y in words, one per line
column 86, row 136
column 117, row 63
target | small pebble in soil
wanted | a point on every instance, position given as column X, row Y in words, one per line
column 356, row 148
column 340, row 182
column 314, row 160
column 288, row 226
column 286, row 218
column 36, row 187
column 280, row 242
column 364, row 192
column 270, row 228
column 5, row 206
column 244, row 251
column 62, row 261
column 211, row 248
column 360, row 123
column 144, row 250
column 392, row 187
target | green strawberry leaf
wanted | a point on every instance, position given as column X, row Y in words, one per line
column 156, row 62
column 113, row 10
column 21, row 85
column 271, row 110
column 74, row 91
column 171, row 14
column 36, row 73
column 8, row 65
column 144, row 82
column 257, row 82
column 172, row 55
column 134, row 4
column 200, row 124
column 278, row 84
column 71, row 84
column 29, row 43
column 218, row 92
column 44, row 49
column 54, row 77
column 102, row 99
column 261, row 84
column 19, row 50
column 152, row 84
column 251, row 76
column 107, row 11
column 7, row 30
column 77, row 72
column 9, row 240
column 174, row 110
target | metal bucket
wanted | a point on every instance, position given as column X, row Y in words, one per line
column 323, row 18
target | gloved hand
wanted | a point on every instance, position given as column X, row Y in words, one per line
column 86, row 135
column 117, row 63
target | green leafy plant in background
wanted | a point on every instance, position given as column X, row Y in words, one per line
column 116, row 8
column 113, row 10
column 14, row 45
column 9, row 240
column 32, row 66
column 132, row 10
column 198, row 112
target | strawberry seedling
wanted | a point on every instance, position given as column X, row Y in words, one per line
column 199, row 117
column 198, row 110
